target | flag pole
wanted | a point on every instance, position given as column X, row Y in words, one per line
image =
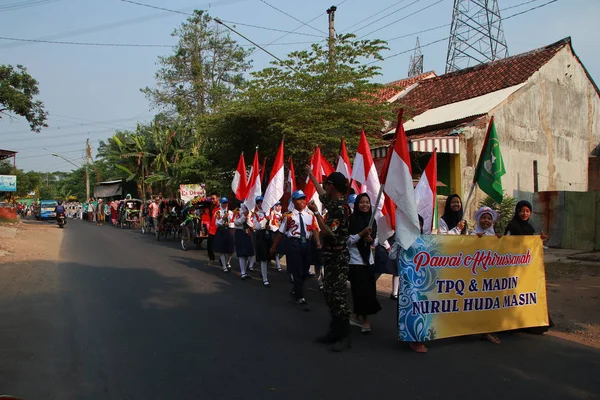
column 477, row 169
column 384, row 173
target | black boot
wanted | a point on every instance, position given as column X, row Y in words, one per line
column 343, row 341
column 330, row 337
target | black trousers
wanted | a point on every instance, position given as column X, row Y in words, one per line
column 209, row 247
column 297, row 256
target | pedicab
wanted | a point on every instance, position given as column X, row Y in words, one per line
column 169, row 220
column 196, row 219
column 129, row 213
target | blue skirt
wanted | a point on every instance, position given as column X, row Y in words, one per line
column 243, row 243
column 223, row 243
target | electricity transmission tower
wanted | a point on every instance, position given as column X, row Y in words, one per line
column 415, row 67
column 476, row 34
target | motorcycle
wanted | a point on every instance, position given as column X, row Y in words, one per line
column 61, row 220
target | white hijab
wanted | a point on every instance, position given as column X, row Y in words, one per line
column 485, row 210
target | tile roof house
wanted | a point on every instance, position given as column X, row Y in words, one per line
column 546, row 109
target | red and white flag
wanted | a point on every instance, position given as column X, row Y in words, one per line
column 291, row 180
column 365, row 173
column 317, row 170
column 275, row 188
column 344, row 167
column 254, row 188
column 399, row 186
column 239, row 183
column 425, row 193
column 386, row 225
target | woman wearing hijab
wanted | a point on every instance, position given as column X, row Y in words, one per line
column 485, row 218
column 520, row 225
column 362, row 271
column 452, row 222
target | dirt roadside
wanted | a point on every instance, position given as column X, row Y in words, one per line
column 28, row 252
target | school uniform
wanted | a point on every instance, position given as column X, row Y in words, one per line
column 242, row 235
column 224, row 244
column 298, row 228
column 262, row 241
column 275, row 219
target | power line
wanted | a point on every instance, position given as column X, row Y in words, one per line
column 292, row 17
column 409, row 50
column 418, row 32
column 531, row 9
column 386, row 16
column 85, row 43
column 104, row 27
column 447, row 37
column 405, row 17
column 46, row 154
column 519, row 5
column 371, row 16
column 24, row 4
column 229, row 22
column 257, row 45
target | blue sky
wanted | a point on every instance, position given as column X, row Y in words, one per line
column 90, row 91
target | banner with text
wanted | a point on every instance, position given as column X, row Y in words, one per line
column 189, row 191
column 461, row 285
column 8, row 183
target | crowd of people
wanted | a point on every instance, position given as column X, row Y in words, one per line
column 337, row 239
column 340, row 242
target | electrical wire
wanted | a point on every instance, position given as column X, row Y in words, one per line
column 46, row 154
column 103, row 27
column 25, row 4
column 85, row 43
column 403, row 18
column 418, row 32
column 519, row 5
column 292, row 17
column 530, row 9
column 371, row 16
column 386, row 16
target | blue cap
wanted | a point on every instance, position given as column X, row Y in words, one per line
column 258, row 198
column 352, row 198
column 298, row 194
column 223, row 200
column 277, row 204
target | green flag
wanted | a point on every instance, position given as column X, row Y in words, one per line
column 490, row 167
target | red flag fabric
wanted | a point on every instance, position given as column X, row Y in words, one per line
column 316, row 167
column 254, row 187
column 291, row 180
column 365, row 173
column 275, row 188
column 239, row 183
column 425, row 193
column 399, row 187
column 345, row 168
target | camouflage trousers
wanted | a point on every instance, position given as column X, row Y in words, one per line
column 334, row 283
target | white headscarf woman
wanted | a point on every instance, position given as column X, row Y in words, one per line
column 485, row 218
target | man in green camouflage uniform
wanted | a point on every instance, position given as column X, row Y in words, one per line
column 334, row 234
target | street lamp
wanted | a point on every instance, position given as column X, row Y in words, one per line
column 87, row 175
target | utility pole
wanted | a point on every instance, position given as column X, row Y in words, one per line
column 331, row 13
column 87, row 173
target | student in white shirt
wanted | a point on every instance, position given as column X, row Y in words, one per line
column 224, row 245
column 299, row 226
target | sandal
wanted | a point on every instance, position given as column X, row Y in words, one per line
column 418, row 347
column 490, row 338
column 356, row 323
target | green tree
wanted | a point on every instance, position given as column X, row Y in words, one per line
column 204, row 72
column 310, row 98
column 17, row 95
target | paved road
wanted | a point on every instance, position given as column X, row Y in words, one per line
column 136, row 319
